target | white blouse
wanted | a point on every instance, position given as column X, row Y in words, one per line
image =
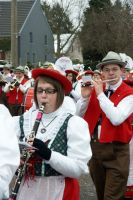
column 78, row 140
column 9, row 151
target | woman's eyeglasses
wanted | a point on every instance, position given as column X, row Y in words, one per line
column 47, row 91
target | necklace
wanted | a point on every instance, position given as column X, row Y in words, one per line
column 43, row 130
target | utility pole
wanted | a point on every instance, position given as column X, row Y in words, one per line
column 14, row 34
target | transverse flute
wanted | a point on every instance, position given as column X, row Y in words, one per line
column 90, row 82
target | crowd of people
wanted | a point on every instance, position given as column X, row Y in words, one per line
column 85, row 127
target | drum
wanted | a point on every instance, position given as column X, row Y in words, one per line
column 28, row 100
column 129, row 192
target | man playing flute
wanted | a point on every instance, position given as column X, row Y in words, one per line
column 107, row 107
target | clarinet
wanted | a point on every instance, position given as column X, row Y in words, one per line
column 25, row 157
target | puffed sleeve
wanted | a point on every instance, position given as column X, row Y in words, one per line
column 81, row 106
column 78, row 152
column 9, row 151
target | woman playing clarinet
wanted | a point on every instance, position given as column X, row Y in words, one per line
column 61, row 146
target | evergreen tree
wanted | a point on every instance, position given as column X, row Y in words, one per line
column 58, row 19
column 5, row 44
column 99, row 4
column 110, row 28
column 59, row 22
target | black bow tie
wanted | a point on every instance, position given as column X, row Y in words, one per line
column 108, row 92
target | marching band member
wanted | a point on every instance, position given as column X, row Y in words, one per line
column 62, row 142
column 76, row 88
column 97, row 74
column 4, row 78
column 129, row 191
column 15, row 92
column 9, row 151
column 84, row 78
column 109, row 117
column 7, row 72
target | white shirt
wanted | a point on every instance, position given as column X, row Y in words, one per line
column 116, row 114
column 76, row 92
column 9, row 151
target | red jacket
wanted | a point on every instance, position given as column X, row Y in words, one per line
column 109, row 132
column 16, row 96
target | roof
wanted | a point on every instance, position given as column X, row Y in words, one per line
column 64, row 38
column 23, row 8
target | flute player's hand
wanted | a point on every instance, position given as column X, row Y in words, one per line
column 98, row 85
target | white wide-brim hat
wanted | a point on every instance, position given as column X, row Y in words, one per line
column 111, row 58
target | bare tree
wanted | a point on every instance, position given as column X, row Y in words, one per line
column 74, row 9
column 129, row 2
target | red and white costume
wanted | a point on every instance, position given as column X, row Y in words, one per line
column 70, row 166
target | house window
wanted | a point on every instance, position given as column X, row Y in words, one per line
column 45, row 40
column 28, row 57
column 34, row 56
column 31, row 37
column 45, row 57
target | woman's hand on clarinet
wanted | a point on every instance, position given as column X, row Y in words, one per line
column 86, row 90
column 41, row 149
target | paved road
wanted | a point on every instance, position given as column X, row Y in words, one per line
column 87, row 188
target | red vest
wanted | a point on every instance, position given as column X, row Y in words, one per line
column 109, row 132
column 16, row 96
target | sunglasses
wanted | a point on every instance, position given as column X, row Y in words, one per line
column 47, row 91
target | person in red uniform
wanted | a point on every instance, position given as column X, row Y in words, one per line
column 76, row 89
column 108, row 109
column 129, row 190
column 15, row 92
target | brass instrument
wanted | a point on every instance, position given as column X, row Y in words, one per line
column 2, row 81
column 13, row 84
column 25, row 157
